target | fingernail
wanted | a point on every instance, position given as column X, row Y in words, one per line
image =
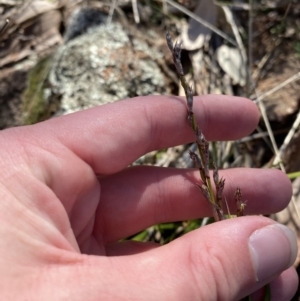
column 273, row 249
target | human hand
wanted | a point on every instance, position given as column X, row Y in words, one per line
column 68, row 197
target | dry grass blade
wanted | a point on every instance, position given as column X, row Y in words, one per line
column 112, row 8
column 278, row 87
column 269, row 129
column 259, row 99
column 135, row 11
column 287, row 139
column 235, row 30
column 4, row 26
column 250, row 47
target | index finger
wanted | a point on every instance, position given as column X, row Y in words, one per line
column 112, row 136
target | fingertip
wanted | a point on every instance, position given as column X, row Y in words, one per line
column 285, row 286
column 280, row 187
column 251, row 112
column 282, row 288
column 284, row 182
column 222, row 115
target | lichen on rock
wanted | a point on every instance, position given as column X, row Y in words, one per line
column 103, row 65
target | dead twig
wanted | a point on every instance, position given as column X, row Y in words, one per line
column 4, row 26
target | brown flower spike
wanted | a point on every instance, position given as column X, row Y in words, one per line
column 202, row 161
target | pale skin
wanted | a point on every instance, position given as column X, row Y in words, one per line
column 67, row 198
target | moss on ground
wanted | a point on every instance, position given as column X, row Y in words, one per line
column 35, row 106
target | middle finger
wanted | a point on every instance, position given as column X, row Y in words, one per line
column 139, row 197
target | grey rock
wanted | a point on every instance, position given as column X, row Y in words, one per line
column 103, row 65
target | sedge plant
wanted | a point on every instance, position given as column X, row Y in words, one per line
column 201, row 160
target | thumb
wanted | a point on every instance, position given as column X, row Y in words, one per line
column 226, row 261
